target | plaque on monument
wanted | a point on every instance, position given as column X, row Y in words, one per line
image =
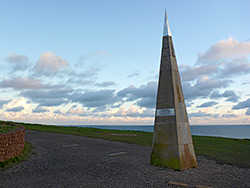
column 165, row 112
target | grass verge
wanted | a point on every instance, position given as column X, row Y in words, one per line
column 13, row 161
column 223, row 150
column 6, row 128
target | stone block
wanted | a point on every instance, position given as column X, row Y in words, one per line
column 187, row 157
column 165, row 133
column 165, row 155
column 184, row 133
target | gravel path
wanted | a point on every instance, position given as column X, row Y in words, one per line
column 74, row 161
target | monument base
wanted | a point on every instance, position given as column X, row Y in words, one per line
column 177, row 157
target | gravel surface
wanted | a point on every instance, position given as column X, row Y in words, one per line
column 75, row 161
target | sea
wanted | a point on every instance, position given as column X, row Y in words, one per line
column 227, row 131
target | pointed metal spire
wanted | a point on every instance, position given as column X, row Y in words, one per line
column 166, row 29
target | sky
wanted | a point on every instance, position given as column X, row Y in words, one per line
column 97, row 62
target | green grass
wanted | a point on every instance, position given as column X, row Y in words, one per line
column 222, row 150
column 16, row 160
column 142, row 138
column 6, row 127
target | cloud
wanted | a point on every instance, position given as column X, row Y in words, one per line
column 94, row 57
column 202, row 114
column 25, row 83
column 242, row 105
column 51, row 102
column 127, row 91
column 189, row 103
column 202, row 88
column 88, row 73
column 18, row 62
column 95, row 98
column 77, row 112
column 229, row 94
column 145, row 94
column 39, row 109
column 73, row 81
column 148, row 102
column 223, row 70
column 50, row 64
column 245, row 83
column 52, row 93
column 133, row 111
column 16, row 102
column 135, row 73
column 57, row 112
column 213, row 70
column 53, row 97
column 207, row 104
column 228, row 116
column 105, row 84
column 3, row 102
column 132, row 93
column 15, row 109
column 235, row 68
column 224, row 50
column 248, row 112
column 187, row 73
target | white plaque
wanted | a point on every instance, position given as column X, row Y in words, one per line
column 165, row 112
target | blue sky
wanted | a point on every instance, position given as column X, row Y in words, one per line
column 97, row 62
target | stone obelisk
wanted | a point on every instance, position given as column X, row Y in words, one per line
column 172, row 142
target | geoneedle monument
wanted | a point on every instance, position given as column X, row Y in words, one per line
column 172, row 142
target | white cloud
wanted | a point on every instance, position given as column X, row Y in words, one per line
column 225, row 49
column 77, row 112
column 133, row 111
column 49, row 63
column 17, row 105
column 202, row 114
